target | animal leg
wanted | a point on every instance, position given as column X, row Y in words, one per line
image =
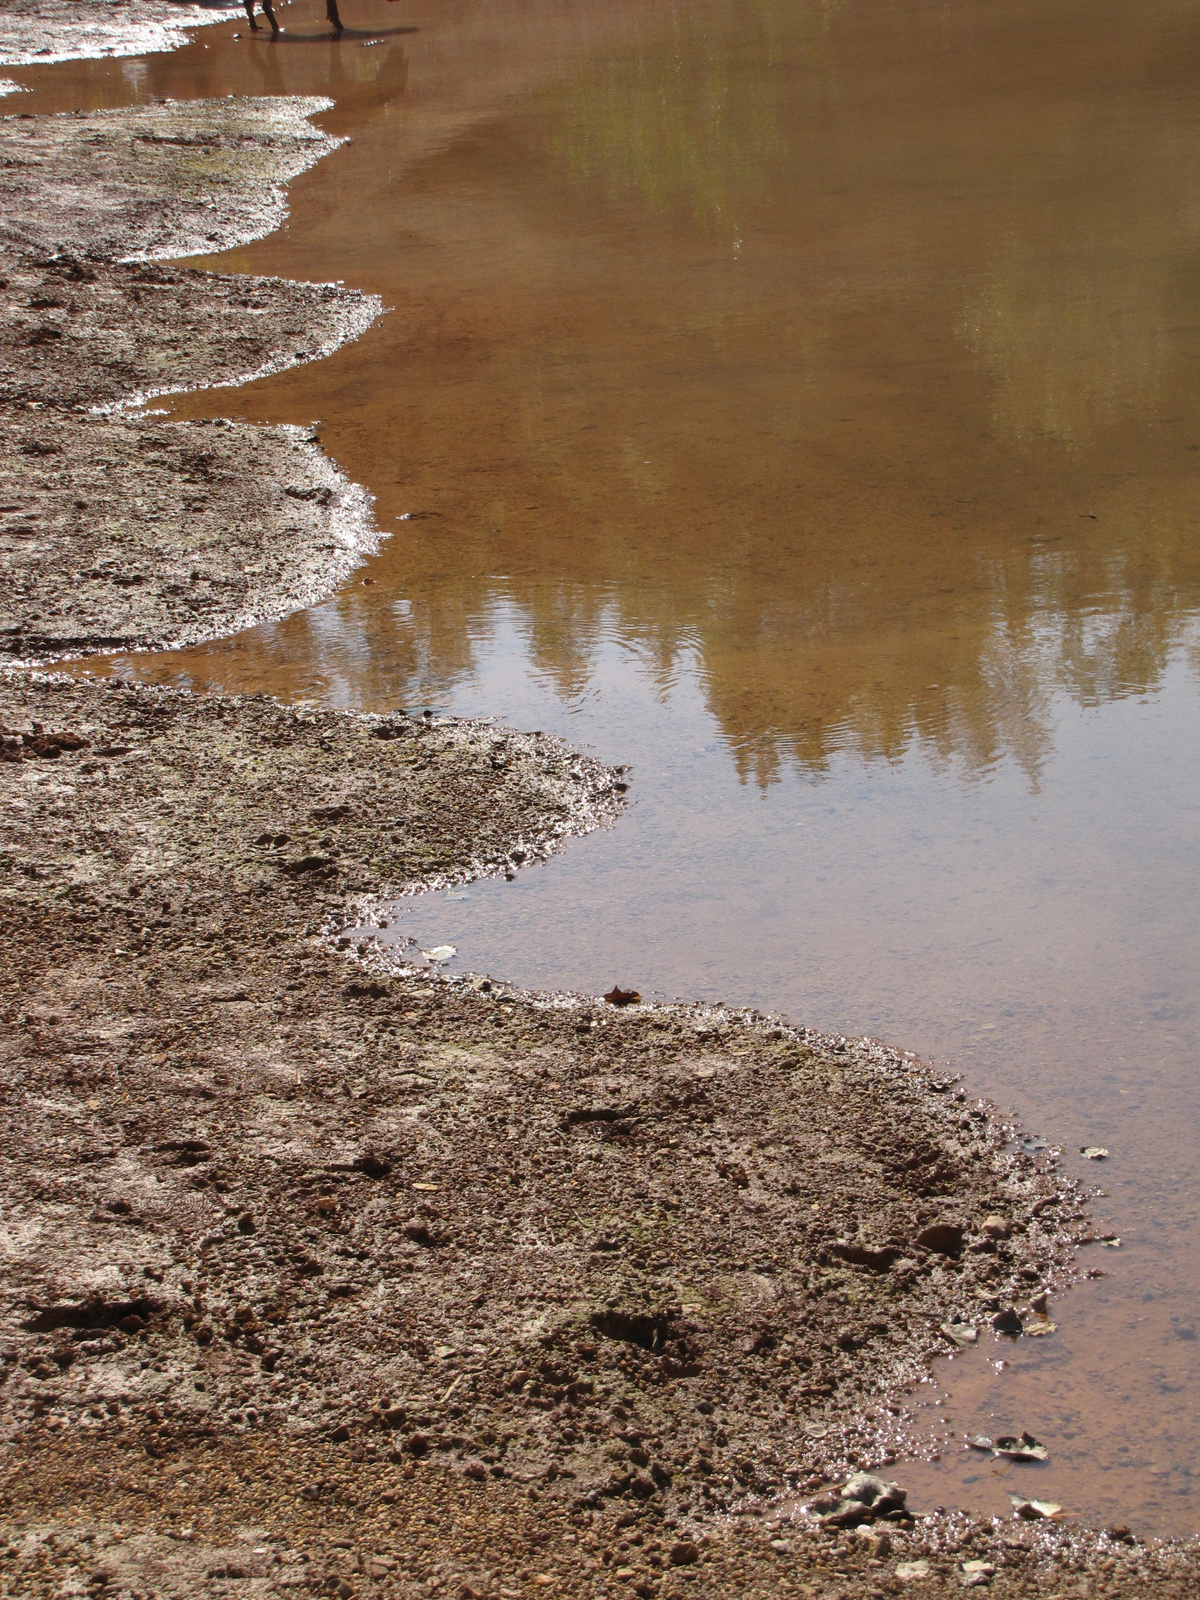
column 331, row 11
column 270, row 15
column 249, row 5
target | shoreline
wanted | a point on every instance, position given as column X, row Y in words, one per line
column 302, row 1254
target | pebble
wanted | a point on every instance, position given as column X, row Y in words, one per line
column 911, row 1571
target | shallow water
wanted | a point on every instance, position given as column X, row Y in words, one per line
column 798, row 403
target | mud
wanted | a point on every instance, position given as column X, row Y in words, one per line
column 135, row 533
column 138, row 533
column 152, row 182
column 33, row 32
column 87, row 334
column 296, row 1244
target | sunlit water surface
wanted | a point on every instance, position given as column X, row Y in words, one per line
column 797, row 402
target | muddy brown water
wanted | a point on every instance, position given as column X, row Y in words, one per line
column 798, row 401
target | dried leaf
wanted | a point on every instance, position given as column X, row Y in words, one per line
column 617, row 996
column 1026, row 1448
column 1039, row 1327
column 1036, row 1510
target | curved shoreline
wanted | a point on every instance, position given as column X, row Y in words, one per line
column 120, row 531
column 393, row 1250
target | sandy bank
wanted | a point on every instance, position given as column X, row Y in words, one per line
column 152, row 182
column 34, row 32
column 301, row 1245
column 124, row 532
column 84, row 334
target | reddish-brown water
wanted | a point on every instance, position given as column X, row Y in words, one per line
column 798, row 401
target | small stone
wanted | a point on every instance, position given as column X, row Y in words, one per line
column 974, row 1574
column 996, row 1227
column 912, row 1571
column 1008, row 1321
column 1093, row 1152
column 960, row 1333
column 684, row 1553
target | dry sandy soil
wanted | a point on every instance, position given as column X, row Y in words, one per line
column 319, row 1278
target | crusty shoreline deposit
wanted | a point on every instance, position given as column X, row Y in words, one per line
column 35, row 32
column 143, row 183
column 126, row 532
